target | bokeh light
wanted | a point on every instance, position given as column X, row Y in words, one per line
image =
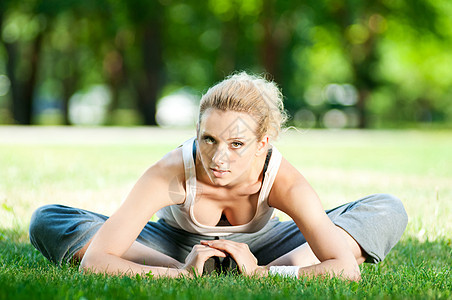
column 90, row 107
column 179, row 109
column 335, row 119
column 5, row 84
column 343, row 94
column 305, row 119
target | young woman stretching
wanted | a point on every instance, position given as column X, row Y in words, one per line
column 215, row 196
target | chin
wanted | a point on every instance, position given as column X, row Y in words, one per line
column 225, row 181
column 219, row 181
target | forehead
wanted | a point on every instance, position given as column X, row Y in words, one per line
column 227, row 124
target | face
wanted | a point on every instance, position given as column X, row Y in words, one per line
column 228, row 145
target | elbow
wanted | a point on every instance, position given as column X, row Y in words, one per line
column 96, row 263
column 84, row 264
column 346, row 269
column 354, row 275
column 87, row 264
column 351, row 272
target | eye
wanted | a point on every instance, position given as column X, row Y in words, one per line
column 208, row 140
column 236, row 145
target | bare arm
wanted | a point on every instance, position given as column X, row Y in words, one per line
column 115, row 237
column 292, row 194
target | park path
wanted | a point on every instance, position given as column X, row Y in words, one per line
column 90, row 135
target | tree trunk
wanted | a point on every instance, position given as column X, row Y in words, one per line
column 11, row 50
column 30, row 84
column 69, row 87
column 270, row 49
column 22, row 91
column 115, row 71
column 364, row 80
column 149, row 85
column 227, row 62
column 362, row 57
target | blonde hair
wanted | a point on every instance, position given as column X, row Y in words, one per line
column 251, row 94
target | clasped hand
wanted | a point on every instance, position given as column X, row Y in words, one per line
column 240, row 252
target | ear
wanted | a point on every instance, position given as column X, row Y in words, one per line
column 262, row 145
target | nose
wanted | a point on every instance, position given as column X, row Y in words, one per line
column 220, row 156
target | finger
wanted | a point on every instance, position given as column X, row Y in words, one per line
column 199, row 255
column 240, row 252
column 201, row 248
column 217, row 252
column 225, row 245
column 209, row 252
column 235, row 252
column 201, row 252
column 217, row 243
column 214, row 242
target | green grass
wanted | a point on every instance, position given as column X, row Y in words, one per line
column 94, row 169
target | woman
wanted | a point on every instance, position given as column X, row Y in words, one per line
column 215, row 197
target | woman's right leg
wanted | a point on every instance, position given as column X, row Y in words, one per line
column 58, row 231
column 63, row 233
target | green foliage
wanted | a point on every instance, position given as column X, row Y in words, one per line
column 395, row 53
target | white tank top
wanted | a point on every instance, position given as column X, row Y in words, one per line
column 182, row 215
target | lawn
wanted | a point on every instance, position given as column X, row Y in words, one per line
column 95, row 168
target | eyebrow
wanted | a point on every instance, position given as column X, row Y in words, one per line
column 206, row 134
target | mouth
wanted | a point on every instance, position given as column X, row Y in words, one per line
column 218, row 173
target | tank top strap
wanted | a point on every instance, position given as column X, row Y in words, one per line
column 270, row 174
column 190, row 171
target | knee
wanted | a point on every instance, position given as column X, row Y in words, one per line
column 39, row 223
column 393, row 207
column 394, row 203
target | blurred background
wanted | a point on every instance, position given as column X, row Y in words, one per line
column 340, row 64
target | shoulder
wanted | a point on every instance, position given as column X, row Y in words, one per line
column 288, row 179
column 173, row 161
column 168, row 171
column 287, row 175
column 170, row 165
column 161, row 179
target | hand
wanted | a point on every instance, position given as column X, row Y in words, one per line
column 194, row 263
column 240, row 252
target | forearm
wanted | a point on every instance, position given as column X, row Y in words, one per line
column 111, row 264
column 141, row 254
column 332, row 268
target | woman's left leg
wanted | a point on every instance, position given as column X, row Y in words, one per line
column 303, row 256
column 375, row 222
column 371, row 226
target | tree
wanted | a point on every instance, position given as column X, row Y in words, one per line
column 143, row 60
column 23, row 48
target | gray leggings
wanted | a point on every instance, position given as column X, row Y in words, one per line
column 376, row 222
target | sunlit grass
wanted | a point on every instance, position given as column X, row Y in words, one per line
column 94, row 169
